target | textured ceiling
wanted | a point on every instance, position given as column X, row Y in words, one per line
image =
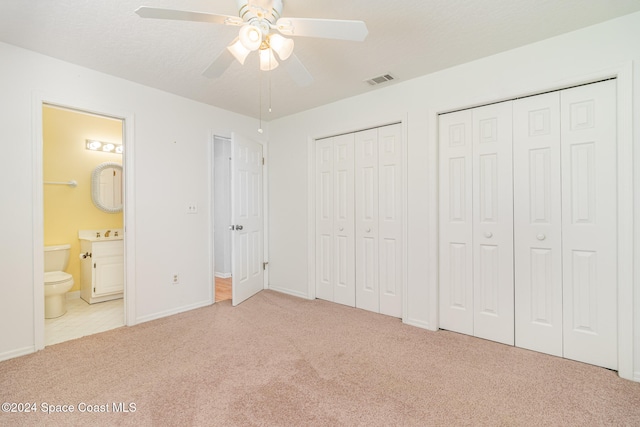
column 407, row 38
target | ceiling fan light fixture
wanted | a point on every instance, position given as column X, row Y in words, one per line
column 281, row 45
column 268, row 60
column 250, row 37
column 238, row 51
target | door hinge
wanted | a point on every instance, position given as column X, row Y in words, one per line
column 264, row 265
column 94, row 265
column 263, row 161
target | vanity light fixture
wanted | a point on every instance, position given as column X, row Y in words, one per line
column 106, row 147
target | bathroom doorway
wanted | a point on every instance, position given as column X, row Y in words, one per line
column 78, row 147
column 222, row 217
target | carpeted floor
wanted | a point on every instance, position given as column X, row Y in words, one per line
column 283, row 361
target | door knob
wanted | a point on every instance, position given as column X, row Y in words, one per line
column 239, row 227
column 541, row 236
column 340, row 228
column 488, row 234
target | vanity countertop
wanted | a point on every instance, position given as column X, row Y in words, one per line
column 98, row 235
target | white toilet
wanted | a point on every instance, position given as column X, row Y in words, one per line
column 56, row 282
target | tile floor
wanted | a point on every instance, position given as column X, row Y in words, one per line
column 83, row 319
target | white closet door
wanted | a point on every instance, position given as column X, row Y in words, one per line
column 390, row 219
column 335, row 264
column 367, row 232
column 456, row 222
column 493, row 223
column 378, row 187
column 589, row 223
column 324, row 219
column 537, row 223
column 343, row 223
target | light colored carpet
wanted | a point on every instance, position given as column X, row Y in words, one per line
column 280, row 360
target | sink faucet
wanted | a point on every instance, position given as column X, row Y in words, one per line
column 98, row 234
column 106, row 234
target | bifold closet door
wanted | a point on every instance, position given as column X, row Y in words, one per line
column 456, row 222
column 335, row 266
column 476, row 222
column 565, row 223
column 589, row 223
column 493, row 223
column 378, row 224
column 538, row 223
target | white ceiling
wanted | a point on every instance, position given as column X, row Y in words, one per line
column 407, row 38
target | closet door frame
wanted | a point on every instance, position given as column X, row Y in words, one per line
column 626, row 191
column 312, row 192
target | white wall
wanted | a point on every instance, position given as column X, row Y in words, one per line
column 169, row 143
column 535, row 68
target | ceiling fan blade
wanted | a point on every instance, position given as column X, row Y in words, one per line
column 323, row 28
column 297, row 71
column 185, row 15
column 219, row 65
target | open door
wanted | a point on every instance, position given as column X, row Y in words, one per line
column 247, row 219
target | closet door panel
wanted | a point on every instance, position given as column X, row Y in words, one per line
column 390, row 219
column 324, row 219
column 537, row 223
column 493, row 223
column 456, row 222
column 366, row 227
column 343, row 224
column 589, row 223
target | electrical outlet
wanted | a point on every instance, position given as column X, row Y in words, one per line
column 192, row 208
column 175, row 279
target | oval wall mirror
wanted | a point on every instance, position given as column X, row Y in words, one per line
column 106, row 187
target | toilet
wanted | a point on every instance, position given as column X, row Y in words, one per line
column 56, row 282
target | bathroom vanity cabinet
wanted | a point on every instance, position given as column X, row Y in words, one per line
column 101, row 269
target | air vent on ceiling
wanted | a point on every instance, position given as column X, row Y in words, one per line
column 380, row 79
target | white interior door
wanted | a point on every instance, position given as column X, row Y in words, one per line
column 493, row 223
column 456, row 222
column 247, row 219
column 366, row 227
column 390, row 220
column 343, row 223
column 589, row 223
column 538, row 223
column 335, row 266
column 324, row 219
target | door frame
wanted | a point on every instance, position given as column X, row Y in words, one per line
column 625, row 186
column 311, row 202
column 38, row 101
column 228, row 134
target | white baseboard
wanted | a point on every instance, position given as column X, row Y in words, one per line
column 289, row 292
column 222, row 275
column 17, row 353
column 167, row 313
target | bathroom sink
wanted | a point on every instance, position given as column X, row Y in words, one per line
column 100, row 235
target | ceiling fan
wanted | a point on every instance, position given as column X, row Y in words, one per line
column 262, row 29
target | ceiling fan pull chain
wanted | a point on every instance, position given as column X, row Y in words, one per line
column 269, row 88
column 260, row 102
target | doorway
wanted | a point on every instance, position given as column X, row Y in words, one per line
column 222, row 217
column 70, row 214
